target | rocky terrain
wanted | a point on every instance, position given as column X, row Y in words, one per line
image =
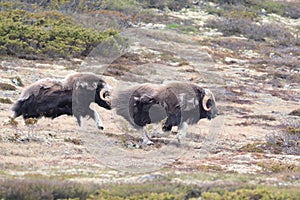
column 257, row 91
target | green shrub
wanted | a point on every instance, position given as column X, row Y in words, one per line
column 46, row 34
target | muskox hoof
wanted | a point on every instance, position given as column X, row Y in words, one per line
column 100, row 127
column 147, row 142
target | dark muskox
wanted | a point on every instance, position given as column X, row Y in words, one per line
column 180, row 103
column 71, row 96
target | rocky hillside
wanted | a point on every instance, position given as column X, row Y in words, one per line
column 246, row 52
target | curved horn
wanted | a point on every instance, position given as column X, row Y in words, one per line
column 103, row 94
column 206, row 97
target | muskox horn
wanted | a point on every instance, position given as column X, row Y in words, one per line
column 207, row 96
column 104, row 94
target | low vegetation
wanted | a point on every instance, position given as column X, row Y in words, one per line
column 46, row 34
column 273, row 167
column 61, row 189
column 245, row 27
column 255, row 8
column 43, row 189
column 285, row 139
column 257, row 193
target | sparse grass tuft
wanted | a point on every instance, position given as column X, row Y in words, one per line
column 6, row 101
column 254, row 147
column 76, row 141
column 7, row 86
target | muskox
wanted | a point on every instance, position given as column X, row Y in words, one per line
column 71, row 96
column 179, row 103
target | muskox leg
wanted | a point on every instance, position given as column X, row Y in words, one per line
column 182, row 131
column 94, row 114
column 146, row 140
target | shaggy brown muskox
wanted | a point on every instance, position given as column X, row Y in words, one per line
column 71, row 96
column 180, row 103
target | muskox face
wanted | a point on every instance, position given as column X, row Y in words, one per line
column 208, row 107
column 140, row 107
column 102, row 96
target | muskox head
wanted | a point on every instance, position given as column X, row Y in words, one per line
column 89, row 88
column 139, row 108
column 208, row 107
